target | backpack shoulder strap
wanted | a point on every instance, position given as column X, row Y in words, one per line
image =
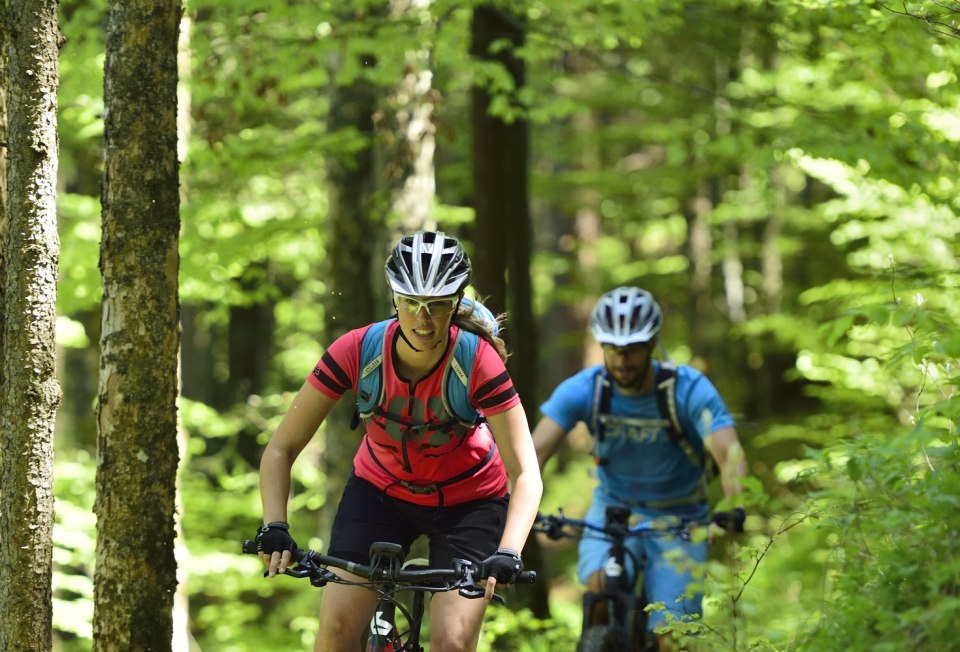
column 370, row 382
column 602, row 396
column 666, row 383
column 456, row 378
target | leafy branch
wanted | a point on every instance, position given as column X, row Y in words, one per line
column 936, row 18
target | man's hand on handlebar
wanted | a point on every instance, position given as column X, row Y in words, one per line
column 276, row 547
column 730, row 522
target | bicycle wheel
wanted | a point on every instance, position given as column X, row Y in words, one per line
column 603, row 638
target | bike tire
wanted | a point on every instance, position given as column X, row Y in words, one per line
column 603, row 638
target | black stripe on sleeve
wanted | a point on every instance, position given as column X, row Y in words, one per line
column 335, row 387
column 341, row 375
column 497, row 399
column 320, row 373
column 491, row 385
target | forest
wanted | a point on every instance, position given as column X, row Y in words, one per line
column 225, row 180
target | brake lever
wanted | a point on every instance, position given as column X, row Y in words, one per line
column 321, row 576
column 475, row 591
column 295, row 571
column 551, row 526
column 472, row 590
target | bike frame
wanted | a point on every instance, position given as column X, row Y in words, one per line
column 384, row 634
column 624, row 608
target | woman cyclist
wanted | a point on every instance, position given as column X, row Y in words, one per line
column 419, row 470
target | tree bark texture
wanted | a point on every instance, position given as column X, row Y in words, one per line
column 4, row 53
column 28, row 385
column 137, row 460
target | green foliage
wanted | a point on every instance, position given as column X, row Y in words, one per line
column 74, row 545
column 520, row 631
column 891, row 494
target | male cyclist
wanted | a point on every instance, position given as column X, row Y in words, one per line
column 639, row 465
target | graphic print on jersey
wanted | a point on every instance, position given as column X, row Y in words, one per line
column 429, row 438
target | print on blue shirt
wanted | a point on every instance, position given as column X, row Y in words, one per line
column 641, row 463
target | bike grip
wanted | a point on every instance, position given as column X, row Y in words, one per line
column 249, row 547
column 527, row 577
column 732, row 521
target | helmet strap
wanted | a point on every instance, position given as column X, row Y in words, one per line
column 402, row 335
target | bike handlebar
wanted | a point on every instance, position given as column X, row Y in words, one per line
column 463, row 575
column 553, row 525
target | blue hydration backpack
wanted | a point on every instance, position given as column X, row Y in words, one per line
column 456, row 378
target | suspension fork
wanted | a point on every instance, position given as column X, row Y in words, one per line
column 614, row 601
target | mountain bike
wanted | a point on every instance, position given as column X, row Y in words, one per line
column 387, row 576
column 615, row 618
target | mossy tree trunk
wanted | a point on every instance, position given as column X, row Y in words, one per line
column 28, row 386
column 137, row 460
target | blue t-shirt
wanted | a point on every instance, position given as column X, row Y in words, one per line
column 641, row 462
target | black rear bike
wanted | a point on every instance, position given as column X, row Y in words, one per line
column 615, row 618
column 388, row 576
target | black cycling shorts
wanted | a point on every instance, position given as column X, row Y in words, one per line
column 469, row 531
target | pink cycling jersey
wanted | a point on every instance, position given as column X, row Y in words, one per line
column 407, row 461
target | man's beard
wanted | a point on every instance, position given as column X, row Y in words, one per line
column 635, row 379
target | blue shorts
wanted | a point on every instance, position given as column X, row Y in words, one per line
column 674, row 570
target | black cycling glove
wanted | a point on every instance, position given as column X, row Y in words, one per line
column 275, row 537
column 504, row 566
column 731, row 521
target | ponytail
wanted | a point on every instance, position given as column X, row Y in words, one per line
column 468, row 319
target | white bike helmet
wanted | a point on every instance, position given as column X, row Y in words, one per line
column 428, row 264
column 626, row 315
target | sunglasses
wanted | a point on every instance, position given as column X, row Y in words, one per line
column 434, row 307
column 629, row 351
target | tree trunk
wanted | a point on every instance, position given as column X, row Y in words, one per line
column 503, row 233
column 28, row 384
column 408, row 165
column 4, row 52
column 699, row 253
column 353, row 261
column 249, row 350
column 135, row 576
column 494, row 193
